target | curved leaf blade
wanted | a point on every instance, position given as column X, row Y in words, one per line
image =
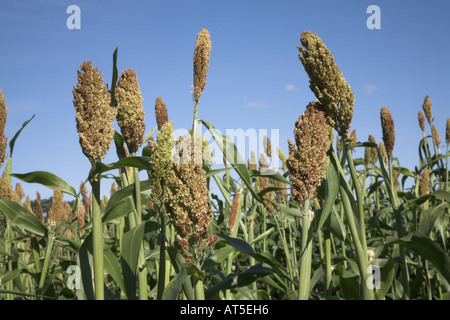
column 13, row 140
column 21, row 217
column 136, row 162
column 47, row 179
column 427, row 248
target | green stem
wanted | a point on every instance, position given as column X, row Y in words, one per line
column 305, row 262
column 48, row 255
column 327, row 262
column 359, row 198
column 162, row 256
column 199, row 290
column 142, row 275
column 400, row 232
column 362, row 255
column 35, row 252
column 287, row 252
column 97, row 240
column 9, row 237
column 194, row 124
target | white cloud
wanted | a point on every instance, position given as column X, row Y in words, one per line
column 370, row 88
column 290, row 87
column 259, row 105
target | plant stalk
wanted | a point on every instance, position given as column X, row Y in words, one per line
column 97, row 240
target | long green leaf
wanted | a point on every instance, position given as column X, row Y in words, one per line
column 428, row 249
column 112, row 266
column 233, row 281
column 131, row 246
column 136, row 162
column 46, row 179
column 13, row 140
column 122, row 203
column 231, row 153
column 84, row 261
column 172, row 290
column 115, row 75
column 21, row 217
column 331, row 191
column 429, row 217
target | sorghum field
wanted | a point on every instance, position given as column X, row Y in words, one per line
column 324, row 225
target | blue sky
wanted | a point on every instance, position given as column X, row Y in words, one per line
column 255, row 79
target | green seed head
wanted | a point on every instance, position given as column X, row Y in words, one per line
column 201, row 62
column 327, row 83
column 308, row 158
column 387, row 125
column 282, row 157
column 94, row 115
column 186, row 199
column 130, row 113
column 161, row 158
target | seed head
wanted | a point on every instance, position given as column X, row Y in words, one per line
column 162, row 116
column 427, row 109
column 94, row 115
column 370, row 153
column 3, row 138
column 19, row 191
column 267, row 146
column 387, row 124
column 130, row 113
column 161, row 158
column 234, row 211
column 252, row 164
column 436, row 137
column 421, row 119
column 424, row 182
column 282, row 159
column 6, row 189
column 113, row 189
column 37, row 209
column 308, row 160
column 201, row 62
column 27, row 204
column 327, row 82
column 264, row 183
column 55, row 214
column 186, row 199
